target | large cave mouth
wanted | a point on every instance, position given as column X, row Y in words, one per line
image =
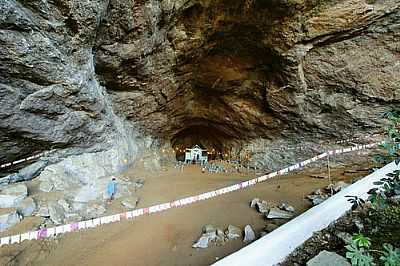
column 224, row 100
column 209, row 83
column 207, row 136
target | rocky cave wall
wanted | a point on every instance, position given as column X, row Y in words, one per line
column 94, row 76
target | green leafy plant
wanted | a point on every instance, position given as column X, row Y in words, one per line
column 361, row 241
column 392, row 140
column 358, row 256
column 391, row 256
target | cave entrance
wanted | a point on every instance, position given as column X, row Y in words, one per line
column 212, row 140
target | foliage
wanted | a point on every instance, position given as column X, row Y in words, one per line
column 391, row 256
column 390, row 185
column 392, row 141
column 355, row 201
column 389, row 216
column 377, row 198
column 358, row 255
column 361, row 241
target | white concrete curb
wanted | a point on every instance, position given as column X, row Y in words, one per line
column 277, row 245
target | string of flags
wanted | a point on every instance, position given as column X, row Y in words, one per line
column 72, row 227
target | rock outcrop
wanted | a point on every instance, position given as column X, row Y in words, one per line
column 99, row 76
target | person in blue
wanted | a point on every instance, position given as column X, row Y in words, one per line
column 111, row 189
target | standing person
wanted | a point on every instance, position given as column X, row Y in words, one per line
column 111, row 189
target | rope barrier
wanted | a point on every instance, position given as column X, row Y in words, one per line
column 72, row 227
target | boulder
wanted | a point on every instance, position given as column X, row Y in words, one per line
column 254, row 202
column 286, row 207
column 205, row 240
column 249, row 234
column 26, row 207
column 262, row 207
column 326, row 258
column 340, row 186
column 317, row 199
column 221, row 238
column 233, row 232
column 12, row 195
column 9, row 219
column 130, row 203
column 276, row 213
column 56, row 213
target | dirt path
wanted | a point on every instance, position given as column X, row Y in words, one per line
column 165, row 238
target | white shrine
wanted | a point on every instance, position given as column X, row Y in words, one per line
column 196, row 154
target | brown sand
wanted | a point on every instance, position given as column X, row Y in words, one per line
column 166, row 238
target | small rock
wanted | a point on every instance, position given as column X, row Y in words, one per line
column 205, row 240
column 130, row 203
column 317, row 199
column 26, row 207
column 233, row 232
column 8, row 220
column 249, row 234
column 275, row 213
column 270, row 227
column 12, row 195
column 263, row 233
column 262, row 207
column 56, row 212
column 254, row 202
column 201, row 243
column 326, row 258
column 286, row 207
column 220, row 238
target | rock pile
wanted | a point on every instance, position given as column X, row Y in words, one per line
column 319, row 195
column 275, row 214
column 215, row 236
column 283, row 211
column 73, row 201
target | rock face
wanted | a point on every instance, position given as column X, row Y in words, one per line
column 97, row 76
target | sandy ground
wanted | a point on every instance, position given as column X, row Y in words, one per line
column 166, row 238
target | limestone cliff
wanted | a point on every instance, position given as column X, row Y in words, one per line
column 85, row 75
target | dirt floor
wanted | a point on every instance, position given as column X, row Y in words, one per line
column 166, row 238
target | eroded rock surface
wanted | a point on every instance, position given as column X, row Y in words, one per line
column 248, row 76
